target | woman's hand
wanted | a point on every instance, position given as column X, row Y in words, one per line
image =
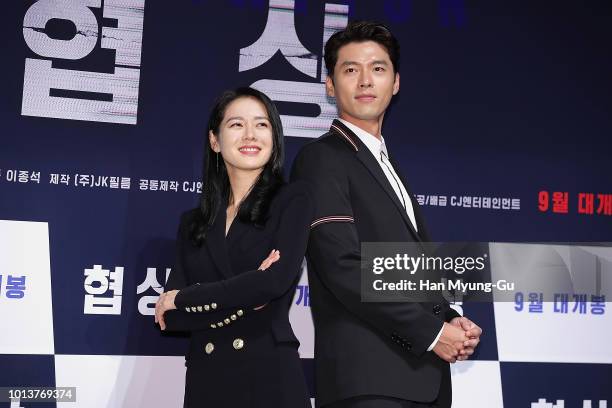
column 164, row 303
column 272, row 257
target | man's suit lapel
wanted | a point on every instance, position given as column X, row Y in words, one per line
column 365, row 157
column 215, row 242
column 415, row 205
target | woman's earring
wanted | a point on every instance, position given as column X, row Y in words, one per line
column 217, row 162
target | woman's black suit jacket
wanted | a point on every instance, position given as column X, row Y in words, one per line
column 238, row 356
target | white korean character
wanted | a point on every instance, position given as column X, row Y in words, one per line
column 54, row 179
column 125, row 183
column 83, row 179
column 279, row 35
column 174, row 186
column 336, row 18
column 41, row 76
column 146, row 304
column 114, row 182
column 23, row 176
column 153, row 185
column 143, row 184
column 35, row 177
column 105, row 281
column 64, row 179
column 163, row 185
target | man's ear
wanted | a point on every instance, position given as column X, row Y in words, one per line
column 396, row 84
column 214, row 143
column 329, row 87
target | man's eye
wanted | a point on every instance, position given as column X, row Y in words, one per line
column 236, row 124
column 379, row 69
column 349, row 70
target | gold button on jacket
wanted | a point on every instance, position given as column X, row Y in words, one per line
column 238, row 344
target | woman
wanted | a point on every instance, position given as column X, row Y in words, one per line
column 239, row 259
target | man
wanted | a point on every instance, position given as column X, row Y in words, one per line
column 382, row 354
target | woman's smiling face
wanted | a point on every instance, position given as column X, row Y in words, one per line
column 245, row 136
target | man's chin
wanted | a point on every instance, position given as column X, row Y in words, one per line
column 370, row 116
column 365, row 114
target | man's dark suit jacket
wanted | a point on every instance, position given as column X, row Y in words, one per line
column 363, row 348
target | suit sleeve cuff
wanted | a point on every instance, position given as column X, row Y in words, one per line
column 451, row 314
column 187, row 300
column 436, row 340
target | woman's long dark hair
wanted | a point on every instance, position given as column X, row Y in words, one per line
column 216, row 187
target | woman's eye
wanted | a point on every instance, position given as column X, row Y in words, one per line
column 262, row 124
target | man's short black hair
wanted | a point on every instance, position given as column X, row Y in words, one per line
column 361, row 31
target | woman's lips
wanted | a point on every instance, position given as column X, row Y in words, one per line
column 249, row 150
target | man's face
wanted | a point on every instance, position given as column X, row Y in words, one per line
column 363, row 82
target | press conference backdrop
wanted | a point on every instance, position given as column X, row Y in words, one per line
column 502, row 128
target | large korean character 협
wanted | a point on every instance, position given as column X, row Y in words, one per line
column 103, row 290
